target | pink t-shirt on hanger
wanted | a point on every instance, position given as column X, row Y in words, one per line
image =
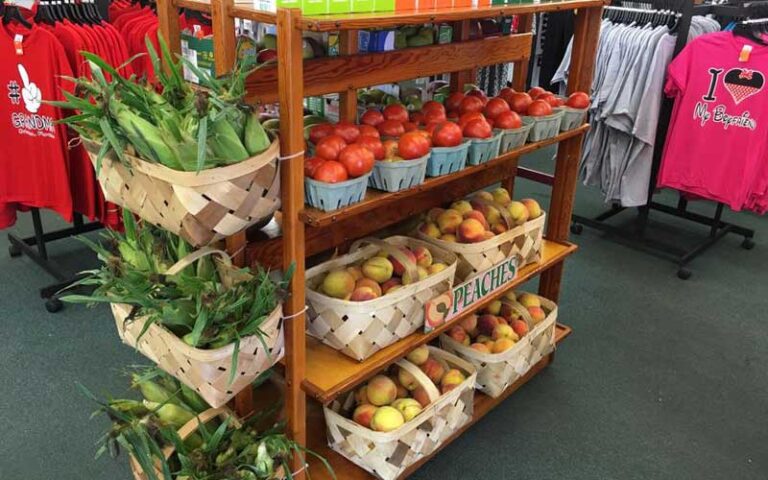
column 716, row 143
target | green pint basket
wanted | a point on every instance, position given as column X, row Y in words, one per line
column 445, row 160
column 483, row 149
column 515, row 137
column 332, row 196
column 573, row 118
column 546, row 127
column 400, row 175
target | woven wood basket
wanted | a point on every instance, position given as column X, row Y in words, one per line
column 360, row 329
column 387, row 455
column 185, row 431
column 206, row 371
column 524, row 240
column 200, row 207
column 496, row 372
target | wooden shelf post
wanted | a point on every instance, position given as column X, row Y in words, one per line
column 168, row 18
column 290, row 77
column 224, row 40
column 348, row 45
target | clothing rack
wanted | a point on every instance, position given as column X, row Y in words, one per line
column 718, row 228
column 35, row 248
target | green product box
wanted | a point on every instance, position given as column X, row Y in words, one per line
column 199, row 52
column 315, row 105
column 333, row 44
column 445, row 34
column 339, row 6
column 315, row 7
column 499, row 2
column 383, row 5
column 362, row 5
column 289, row 3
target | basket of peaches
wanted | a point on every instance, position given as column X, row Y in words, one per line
column 403, row 414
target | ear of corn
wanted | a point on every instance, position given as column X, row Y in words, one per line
column 256, row 138
column 225, row 143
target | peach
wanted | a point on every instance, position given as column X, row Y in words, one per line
column 483, row 195
column 364, row 414
column 520, row 327
column 433, row 213
column 504, row 331
column 534, row 209
column 361, row 395
column 492, row 214
column 398, row 267
column 356, row 272
column 502, row 320
column 423, row 256
column 378, row 269
column 518, row 212
column 529, row 300
column 436, row 268
column 510, row 295
column 502, row 345
column 418, row 355
column 486, row 324
column 381, row 390
column 480, row 347
column 421, row 274
column 338, row 284
column 501, row 196
column 367, row 282
column 390, row 284
column 402, row 392
column 430, row 229
column 448, row 237
column 362, row 294
column 461, row 206
column 471, row 231
column 489, row 345
column 469, row 324
column 387, row 419
column 449, row 221
column 433, row 369
column 537, row 314
column 459, row 334
column 452, row 379
column 498, row 228
column 494, row 308
column 487, row 235
column 477, row 215
column 421, row 396
column 408, row 407
column 407, row 380
column 394, row 289
column 483, row 339
column 508, row 312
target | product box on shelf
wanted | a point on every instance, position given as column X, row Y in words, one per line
column 383, row 5
column 339, row 6
column 405, row 5
column 315, row 7
column 362, row 5
column 284, row 3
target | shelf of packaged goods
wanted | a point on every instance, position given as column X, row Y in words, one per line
column 361, row 21
column 196, row 5
column 468, row 180
column 344, row 469
column 329, row 372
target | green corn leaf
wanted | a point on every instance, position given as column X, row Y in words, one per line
column 157, row 66
column 112, row 139
column 200, row 325
column 202, row 142
column 103, row 151
column 233, row 366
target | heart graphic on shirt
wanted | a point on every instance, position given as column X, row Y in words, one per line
column 742, row 83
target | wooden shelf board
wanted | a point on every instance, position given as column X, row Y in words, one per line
column 245, row 10
column 196, row 5
column 355, row 21
column 329, row 372
column 377, row 199
column 344, row 469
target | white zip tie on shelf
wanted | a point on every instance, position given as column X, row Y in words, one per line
column 288, row 157
column 303, row 310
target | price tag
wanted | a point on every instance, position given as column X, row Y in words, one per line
column 746, row 50
column 18, row 44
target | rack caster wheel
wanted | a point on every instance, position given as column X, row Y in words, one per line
column 577, row 228
column 684, row 274
column 14, row 251
column 53, row 305
column 748, row 244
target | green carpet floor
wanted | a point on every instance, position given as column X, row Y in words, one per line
column 661, row 379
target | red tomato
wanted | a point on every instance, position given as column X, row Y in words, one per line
column 433, row 106
column 391, row 128
column 347, row 131
column 535, row 92
column 479, row 94
column 471, row 104
column 319, row 131
column 495, row 107
column 560, row 102
column 329, row 147
column 371, row 117
column 373, row 144
column 453, row 101
column 578, row 100
column 430, row 128
column 551, row 99
column 446, row 134
column 506, row 93
column 425, row 134
column 491, row 122
column 478, row 128
column 396, row 112
column 331, row 172
column 357, row 159
column 539, row 108
column 519, row 102
column 311, row 164
column 390, row 148
column 368, row 130
column 413, row 145
column 434, row 115
column 410, row 126
column 467, row 117
column 416, row 117
column 509, row 120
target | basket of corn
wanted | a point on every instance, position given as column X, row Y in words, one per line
column 172, row 434
column 197, row 162
column 213, row 326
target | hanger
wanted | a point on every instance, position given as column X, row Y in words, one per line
column 11, row 13
column 751, row 29
column 44, row 14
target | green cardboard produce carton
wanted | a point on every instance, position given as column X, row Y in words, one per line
column 315, row 7
column 339, row 6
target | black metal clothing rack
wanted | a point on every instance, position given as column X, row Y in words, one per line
column 35, row 247
column 718, row 228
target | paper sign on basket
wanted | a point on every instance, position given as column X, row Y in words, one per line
column 451, row 304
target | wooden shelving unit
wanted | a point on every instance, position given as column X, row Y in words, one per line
column 310, row 367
